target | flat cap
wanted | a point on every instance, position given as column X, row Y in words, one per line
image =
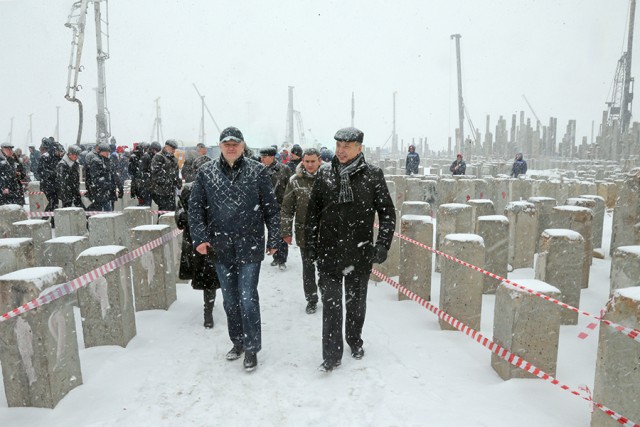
column 6, row 145
column 268, row 151
column 349, row 134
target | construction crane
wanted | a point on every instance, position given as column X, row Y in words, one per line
column 460, row 139
column 302, row 140
column 77, row 22
column 620, row 101
column 203, row 136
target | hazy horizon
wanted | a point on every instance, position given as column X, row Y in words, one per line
column 244, row 55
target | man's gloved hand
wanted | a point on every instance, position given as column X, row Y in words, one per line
column 120, row 193
column 379, row 254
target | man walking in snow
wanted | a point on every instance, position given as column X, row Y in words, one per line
column 296, row 200
column 346, row 195
column 231, row 201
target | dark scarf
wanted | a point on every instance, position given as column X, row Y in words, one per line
column 345, row 172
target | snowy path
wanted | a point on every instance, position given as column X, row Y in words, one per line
column 174, row 372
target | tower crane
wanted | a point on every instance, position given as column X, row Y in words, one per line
column 77, row 22
column 620, row 102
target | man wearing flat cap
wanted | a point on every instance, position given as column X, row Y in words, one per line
column 231, row 202
column 11, row 191
column 345, row 198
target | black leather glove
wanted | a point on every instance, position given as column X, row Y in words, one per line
column 379, row 254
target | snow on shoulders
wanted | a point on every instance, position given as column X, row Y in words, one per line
column 102, row 250
column 631, row 250
column 563, row 232
column 424, row 219
column 500, row 218
column 66, row 239
column 155, row 227
column 14, row 242
column 464, row 237
column 631, row 293
column 536, row 286
column 38, row 275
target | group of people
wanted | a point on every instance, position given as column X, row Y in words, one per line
column 328, row 207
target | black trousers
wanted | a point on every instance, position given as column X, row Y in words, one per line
column 309, row 277
column 356, row 303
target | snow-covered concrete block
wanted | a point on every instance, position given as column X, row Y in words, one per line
column 38, row 349
column 460, row 286
column 527, row 326
column 176, row 243
column 559, row 263
column 37, row 202
column 452, row 218
column 39, row 230
column 16, row 253
column 8, row 215
column 71, row 221
column 625, row 267
column 415, row 262
column 598, row 219
column 523, row 226
column 106, row 304
column 617, row 380
column 544, row 206
column 480, row 207
column 494, row 230
column 108, row 229
column 154, row 284
column 578, row 219
column 63, row 251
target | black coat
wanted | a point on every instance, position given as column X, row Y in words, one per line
column 133, row 168
column 10, row 182
column 68, row 182
column 164, row 174
column 47, row 171
column 103, row 181
column 341, row 234
column 229, row 207
column 193, row 265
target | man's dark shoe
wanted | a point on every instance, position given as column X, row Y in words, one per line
column 357, row 352
column 250, row 361
column 274, row 263
column 329, row 365
column 208, row 318
column 311, row 307
column 235, row 352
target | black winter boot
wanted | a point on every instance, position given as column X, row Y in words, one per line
column 209, row 301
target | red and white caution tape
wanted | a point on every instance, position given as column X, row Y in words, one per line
column 88, row 213
column 502, row 352
column 634, row 334
column 67, row 288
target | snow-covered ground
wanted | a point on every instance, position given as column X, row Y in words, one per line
column 413, row 374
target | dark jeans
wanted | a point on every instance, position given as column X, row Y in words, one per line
column 309, row 277
column 283, row 252
column 165, row 202
column 239, row 283
column 356, row 301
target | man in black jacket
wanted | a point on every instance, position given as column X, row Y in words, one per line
column 103, row 181
column 10, row 187
column 346, row 195
column 165, row 178
column 279, row 174
column 231, row 202
column 68, row 178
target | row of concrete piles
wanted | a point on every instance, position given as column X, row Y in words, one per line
column 39, row 349
column 564, row 238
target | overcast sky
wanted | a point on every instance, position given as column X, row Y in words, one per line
column 561, row 54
